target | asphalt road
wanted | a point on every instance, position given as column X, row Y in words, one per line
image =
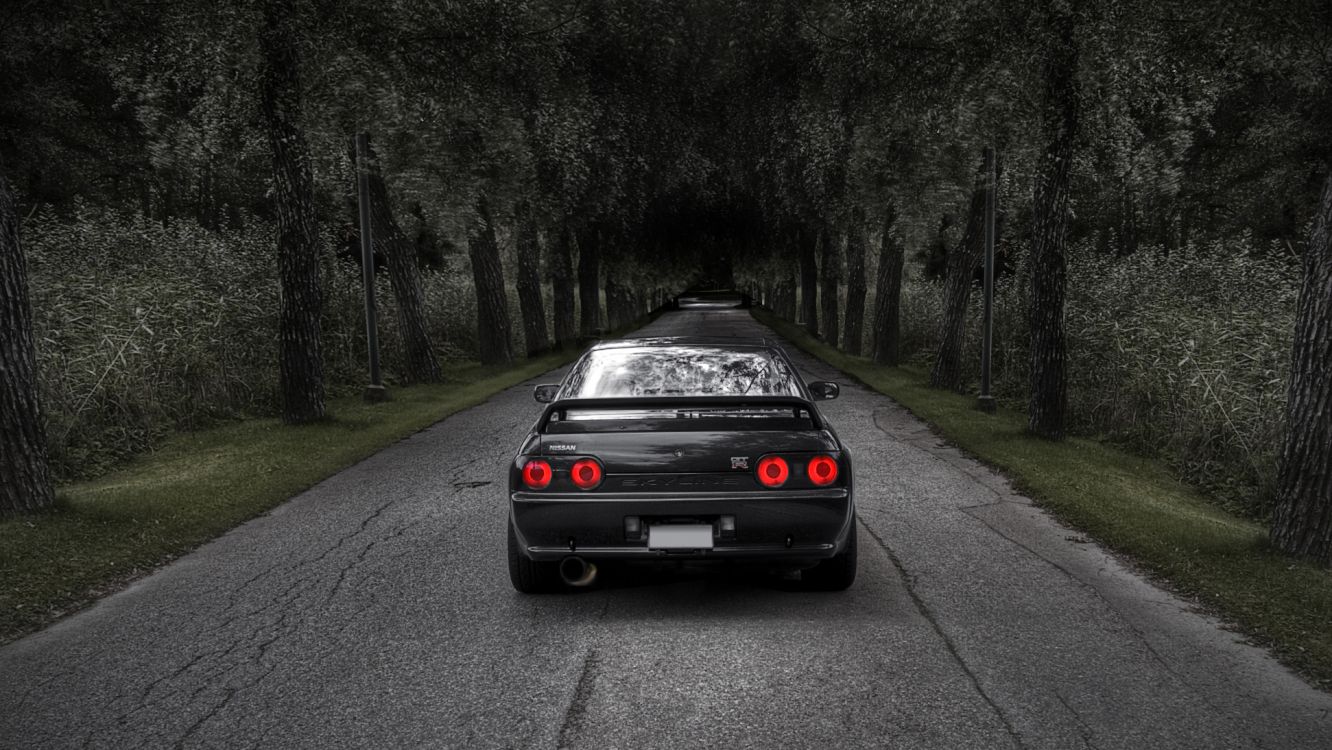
column 375, row 610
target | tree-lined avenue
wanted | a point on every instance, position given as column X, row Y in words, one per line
column 374, row 610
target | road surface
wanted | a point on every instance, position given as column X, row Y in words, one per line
column 374, row 610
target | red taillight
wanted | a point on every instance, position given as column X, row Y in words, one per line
column 773, row 471
column 536, row 474
column 586, row 473
column 822, row 470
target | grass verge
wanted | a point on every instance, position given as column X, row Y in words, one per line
column 1132, row 505
column 106, row 532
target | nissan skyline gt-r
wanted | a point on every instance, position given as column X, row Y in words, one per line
column 688, row 449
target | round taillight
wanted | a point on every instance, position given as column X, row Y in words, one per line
column 822, row 470
column 773, row 471
column 536, row 474
column 586, row 473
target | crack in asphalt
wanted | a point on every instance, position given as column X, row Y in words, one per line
column 360, row 556
column 216, row 663
column 1137, row 632
column 1006, row 499
column 1083, row 727
column 305, row 583
column 949, row 455
column 577, row 711
column 925, row 612
column 180, row 743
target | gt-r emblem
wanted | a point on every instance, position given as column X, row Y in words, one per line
column 739, row 462
column 678, row 453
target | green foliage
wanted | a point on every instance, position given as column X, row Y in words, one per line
column 1183, row 355
column 695, row 134
column 1187, row 355
column 143, row 329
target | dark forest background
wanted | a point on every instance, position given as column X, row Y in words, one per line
column 183, row 185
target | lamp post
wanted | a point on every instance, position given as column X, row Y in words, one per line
column 986, row 401
column 375, row 391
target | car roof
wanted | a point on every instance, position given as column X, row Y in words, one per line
column 711, row 342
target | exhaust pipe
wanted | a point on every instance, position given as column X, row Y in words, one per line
column 575, row 571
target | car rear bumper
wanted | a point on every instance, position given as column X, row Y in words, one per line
column 806, row 526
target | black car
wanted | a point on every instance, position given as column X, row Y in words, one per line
column 681, row 449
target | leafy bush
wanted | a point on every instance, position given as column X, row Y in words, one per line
column 143, row 328
column 1182, row 354
column 1188, row 353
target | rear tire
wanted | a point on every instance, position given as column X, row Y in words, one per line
column 529, row 576
column 837, row 573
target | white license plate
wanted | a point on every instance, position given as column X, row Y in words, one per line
column 680, row 536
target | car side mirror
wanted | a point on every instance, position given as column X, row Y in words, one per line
column 546, row 393
column 823, row 390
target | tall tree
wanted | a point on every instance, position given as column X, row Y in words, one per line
column 492, row 302
column 807, row 246
column 589, row 280
column 853, row 336
column 404, row 275
column 620, row 306
column 830, row 278
column 784, row 288
column 301, row 363
column 23, row 463
column 961, row 264
column 531, row 305
column 619, row 290
column 888, row 292
column 1302, row 522
column 1060, row 110
column 562, row 287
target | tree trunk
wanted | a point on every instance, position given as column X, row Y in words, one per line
column 589, row 280
column 784, row 290
column 888, row 294
column 777, row 294
column 1302, row 521
column 619, row 294
column 830, row 272
column 962, row 263
column 1049, row 398
column 301, row 362
column 26, row 484
column 809, row 279
column 492, row 302
column 530, row 303
column 400, row 257
column 853, row 338
column 634, row 302
column 562, row 288
column 786, row 304
column 619, row 297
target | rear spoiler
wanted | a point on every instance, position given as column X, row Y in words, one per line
column 561, row 407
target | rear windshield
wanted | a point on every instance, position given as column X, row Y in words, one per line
column 679, row 371
column 680, row 419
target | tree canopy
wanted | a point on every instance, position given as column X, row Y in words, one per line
column 632, row 148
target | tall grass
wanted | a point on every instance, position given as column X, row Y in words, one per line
column 143, row 329
column 1182, row 354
